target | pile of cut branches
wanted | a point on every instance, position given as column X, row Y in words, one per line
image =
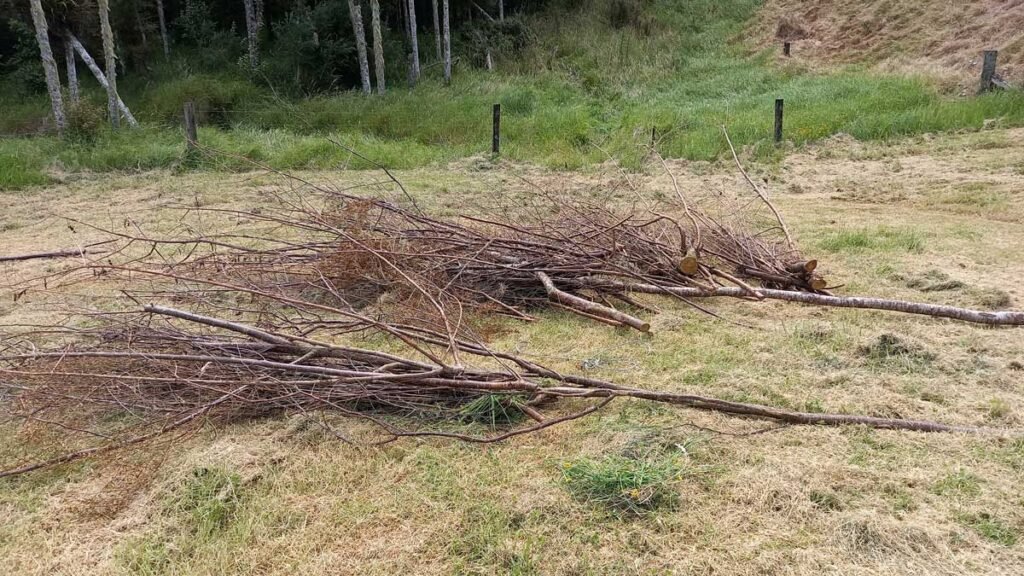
column 265, row 321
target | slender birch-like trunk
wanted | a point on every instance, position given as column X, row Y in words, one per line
column 378, row 44
column 110, row 62
column 69, row 61
column 447, row 44
column 437, row 31
column 98, row 74
column 141, row 27
column 501, row 10
column 49, row 64
column 252, row 31
column 163, row 28
column 356, row 13
column 415, row 44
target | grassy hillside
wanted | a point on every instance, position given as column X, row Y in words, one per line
column 592, row 84
column 940, row 38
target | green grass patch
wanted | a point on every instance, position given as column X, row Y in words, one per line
column 991, row 528
column 877, row 239
column 494, row 410
column 624, row 485
column 958, row 484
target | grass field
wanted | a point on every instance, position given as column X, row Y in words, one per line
column 581, row 93
column 637, row 489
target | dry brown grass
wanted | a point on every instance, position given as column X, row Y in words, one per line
column 927, row 37
column 276, row 497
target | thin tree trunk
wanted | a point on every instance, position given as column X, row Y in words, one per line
column 437, row 32
column 378, row 44
column 501, row 10
column 447, row 44
column 356, row 13
column 49, row 64
column 110, row 61
column 141, row 27
column 69, row 61
column 415, row 42
column 405, row 17
column 98, row 74
column 163, row 28
column 252, row 32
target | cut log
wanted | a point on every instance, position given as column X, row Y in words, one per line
column 805, row 267
column 689, row 265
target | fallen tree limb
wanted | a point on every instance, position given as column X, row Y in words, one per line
column 590, row 308
column 68, row 253
column 993, row 318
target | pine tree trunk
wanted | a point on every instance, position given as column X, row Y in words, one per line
column 447, row 44
column 378, row 44
column 49, row 64
column 100, row 78
column 163, row 28
column 437, row 32
column 110, row 61
column 252, row 32
column 415, row 43
column 69, row 61
column 356, row 14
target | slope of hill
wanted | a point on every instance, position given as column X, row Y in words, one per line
column 935, row 37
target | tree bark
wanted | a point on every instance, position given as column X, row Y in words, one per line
column 437, row 32
column 141, row 27
column 415, row 42
column 110, row 61
column 98, row 74
column 993, row 318
column 501, row 10
column 447, row 44
column 69, row 61
column 356, row 15
column 163, row 28
column 378, row 45
column 49, row 64
column 252, row 32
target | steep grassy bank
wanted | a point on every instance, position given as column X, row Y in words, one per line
column 593, row 83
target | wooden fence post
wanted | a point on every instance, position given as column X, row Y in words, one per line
column 785, row 48
column 191, row 128
column 778, row 120
column 988, row 70
column 496, row 136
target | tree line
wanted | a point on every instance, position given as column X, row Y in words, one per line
column 300, row 46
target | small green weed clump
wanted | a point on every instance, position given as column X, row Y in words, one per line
column 625, row 485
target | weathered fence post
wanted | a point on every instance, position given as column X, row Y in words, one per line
column 191, row 128
column 496, row 136
column 988, row 70
column 778, row 120
column 785, row 48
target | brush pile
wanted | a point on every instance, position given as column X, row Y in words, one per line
column 365, row 308
column 571, row 255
